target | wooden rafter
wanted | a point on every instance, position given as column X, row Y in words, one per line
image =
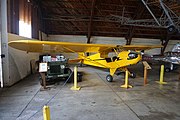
column 90, row 21
column 132, row 28
column 94, row 18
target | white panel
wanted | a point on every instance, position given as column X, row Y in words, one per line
column 145, row 41
column 19, row 61
column 67, row 38
column 108, row 40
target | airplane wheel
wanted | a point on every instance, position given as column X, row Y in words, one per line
column 171, row 29
column 109, row 78
column 167, row 70
column 133, row 75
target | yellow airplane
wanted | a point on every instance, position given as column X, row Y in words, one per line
column 125, row 55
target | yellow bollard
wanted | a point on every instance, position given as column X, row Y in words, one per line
column 75, row 87
column 46, row 113
column 161, row 76
column 126, row 81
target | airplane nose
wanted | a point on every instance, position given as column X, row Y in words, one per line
column 142, row 52
column 133, row 55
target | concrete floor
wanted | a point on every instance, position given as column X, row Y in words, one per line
column 97, row 99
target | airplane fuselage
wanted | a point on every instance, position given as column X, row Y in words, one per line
column 171, row 57
column 124, row 58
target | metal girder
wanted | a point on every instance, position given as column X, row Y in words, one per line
column 166, row 12
column 151, row 12
column 167, row 18
column 142, row 22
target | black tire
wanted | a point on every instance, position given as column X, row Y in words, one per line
column 167, row 69
column 171, row 29
column 109, row 78
column 133, row 75
column 79, row 77
column 79, row 74
column 67, row 71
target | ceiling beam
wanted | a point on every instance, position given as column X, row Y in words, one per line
column 90, row 22
column 122, row 2
column 131, row 30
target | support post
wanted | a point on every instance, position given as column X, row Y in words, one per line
column 161, row 81
column 42, row 70
column 4, row 63
column 46, row 113
column 126, row 85
column 43, row 79
column 146, row 67
column 75, row 87
column 145, row 76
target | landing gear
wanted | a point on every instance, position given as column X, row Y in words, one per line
column 109, row 78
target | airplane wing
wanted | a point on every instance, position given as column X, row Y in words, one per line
column 57, row 47
column 70, row 47
column 140, row 47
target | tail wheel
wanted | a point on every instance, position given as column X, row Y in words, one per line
column 132, row 75
column 109, row 78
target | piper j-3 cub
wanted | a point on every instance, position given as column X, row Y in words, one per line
column 125, row 55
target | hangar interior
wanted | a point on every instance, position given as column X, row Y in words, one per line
column 117, row 22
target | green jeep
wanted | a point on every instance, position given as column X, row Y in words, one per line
column 57, row 68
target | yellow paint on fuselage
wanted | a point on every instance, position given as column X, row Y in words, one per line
column 122, row 61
